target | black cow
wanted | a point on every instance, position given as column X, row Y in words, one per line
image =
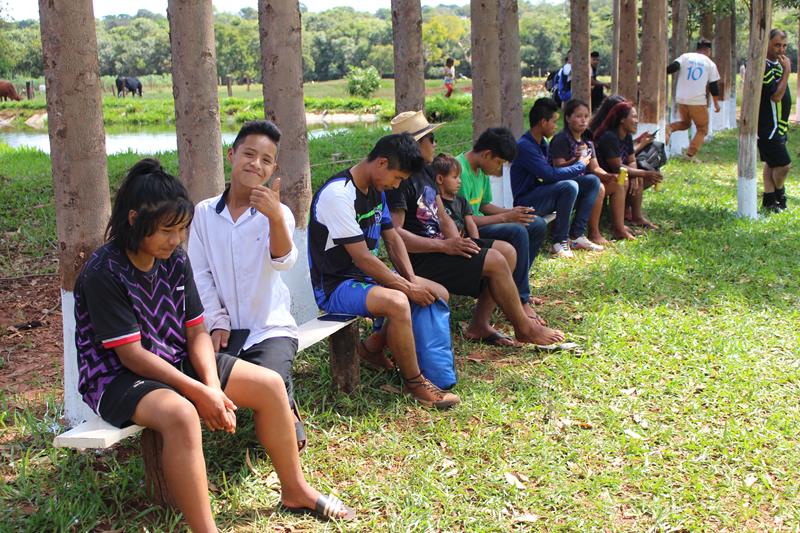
column 128, row 84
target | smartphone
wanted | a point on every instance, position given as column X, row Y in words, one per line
column 336, row 317
column 654, row 133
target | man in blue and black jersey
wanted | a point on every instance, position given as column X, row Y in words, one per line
column 773, row 122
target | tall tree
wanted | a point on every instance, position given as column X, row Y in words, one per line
column 510, row 75
column 653, row 96
column 707, row 20
column 628, row 85
column 485, row 66
column 680, row 36
column 194, row 87
column 78, row 158
column 725, row 22
column 615, row 5
column 760, row 25
column 579, row 37
column 282, row 65
column 409, row 72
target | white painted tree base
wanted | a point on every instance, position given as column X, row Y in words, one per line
column 747, row 197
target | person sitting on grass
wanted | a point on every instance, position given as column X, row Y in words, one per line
column 615, row 150
column 244, row 237
column 567, row 147
column 145, row 357
column 349, row 215
column 639, row 143
column 536, row 183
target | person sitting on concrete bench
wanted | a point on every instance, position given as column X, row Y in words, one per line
column 145, row 357
column 243, row 239
column 349, row 215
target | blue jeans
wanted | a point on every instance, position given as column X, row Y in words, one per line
column 579, row 193
column 526, row 240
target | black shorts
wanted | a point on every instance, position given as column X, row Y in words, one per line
column 773, row 152
column 124, row 393
column 459, row 275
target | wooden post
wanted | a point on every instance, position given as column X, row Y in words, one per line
column 228, row 82
column 344, row 362
column 29, row 90
column 409, row 67
column 760, row 25
column 628, row 85
column 579, row 36
column 615, row 47
column 654, row 55
column 78, row 159
column 510, row 74
column 155, row 484
column 194, row 75
column 485, row 66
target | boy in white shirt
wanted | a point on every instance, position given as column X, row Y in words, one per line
column 239, row 243
column 695, row 71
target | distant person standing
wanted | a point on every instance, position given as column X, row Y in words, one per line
column 449, row 76
column 773, row 122
column 564, row 81
column 696, row 71
column 597, row 85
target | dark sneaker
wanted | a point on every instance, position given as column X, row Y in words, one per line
column 429, row 394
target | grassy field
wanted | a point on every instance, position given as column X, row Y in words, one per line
column 680, row 414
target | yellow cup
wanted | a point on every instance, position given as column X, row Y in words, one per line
column 622, row 176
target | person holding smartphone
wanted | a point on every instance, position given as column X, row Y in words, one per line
column 240, row 242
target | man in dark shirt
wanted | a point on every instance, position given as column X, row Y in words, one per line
column 597, row 85
column 773, row 122
column 348, row 218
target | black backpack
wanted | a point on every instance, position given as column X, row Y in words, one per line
column 652, row 157
column 551, row 85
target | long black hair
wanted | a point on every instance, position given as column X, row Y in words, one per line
column 158, row 198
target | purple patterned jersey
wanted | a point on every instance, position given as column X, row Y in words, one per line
column 116, row 304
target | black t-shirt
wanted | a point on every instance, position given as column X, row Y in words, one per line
column 117, row 304
column 564, row 146
column 417, row 196
column 773, row 117
column 458, row 209
column 342, row 214
column 609, row 146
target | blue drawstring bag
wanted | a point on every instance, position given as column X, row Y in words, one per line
column 432, row 340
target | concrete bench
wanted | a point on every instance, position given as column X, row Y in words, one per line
column 96, row 433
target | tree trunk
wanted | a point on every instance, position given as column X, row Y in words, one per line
column 652, row 100
column 282, row 64
column 760, row 24
column 707, row 21
column 485, row 66
column 409, row 67
column 78, row 158
column 510, row 74
column 722, row 58
column 797, row 91
column 579, row 36
column 615, row 47
column 628, row 39
column 194, row 86
column 680, row 35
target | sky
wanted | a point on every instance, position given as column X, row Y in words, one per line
column 29, row 9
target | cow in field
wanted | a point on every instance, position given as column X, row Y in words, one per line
column 7, row 91
column 128, row 84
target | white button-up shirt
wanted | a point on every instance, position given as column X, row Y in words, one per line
column 238, row 280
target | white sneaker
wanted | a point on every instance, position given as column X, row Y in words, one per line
column 583, row 243
column 561, row 249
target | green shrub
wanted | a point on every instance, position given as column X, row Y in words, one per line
column 440, row 108
column 363, row 82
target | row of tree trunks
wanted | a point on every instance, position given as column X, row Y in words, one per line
column 77, row 154
column 628, row 85
column 485, row 66
column 653, row 94
column 409, row 79
column 510, row 74
column 760, row 24
column 282, row 64
column 579, row 30
column 194, row 87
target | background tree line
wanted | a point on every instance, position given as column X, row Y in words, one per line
column 341, row 37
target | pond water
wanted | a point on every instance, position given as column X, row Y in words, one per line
column 146, row 140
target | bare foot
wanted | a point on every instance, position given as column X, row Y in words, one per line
column 490, row 336
column 624, row 235
column 540, row 335
column 599, row 239
column 533, row 300
column 533, row 315
column 643, row 222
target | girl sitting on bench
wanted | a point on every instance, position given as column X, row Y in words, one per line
column 145, row 357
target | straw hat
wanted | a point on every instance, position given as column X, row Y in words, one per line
column 415, row 123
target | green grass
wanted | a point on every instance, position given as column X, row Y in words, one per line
column 680, row 414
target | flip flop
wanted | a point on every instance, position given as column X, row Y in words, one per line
column 299, row 430
column 326, row 508
column 373, row 360
column 559, row 347
column 494, row 340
